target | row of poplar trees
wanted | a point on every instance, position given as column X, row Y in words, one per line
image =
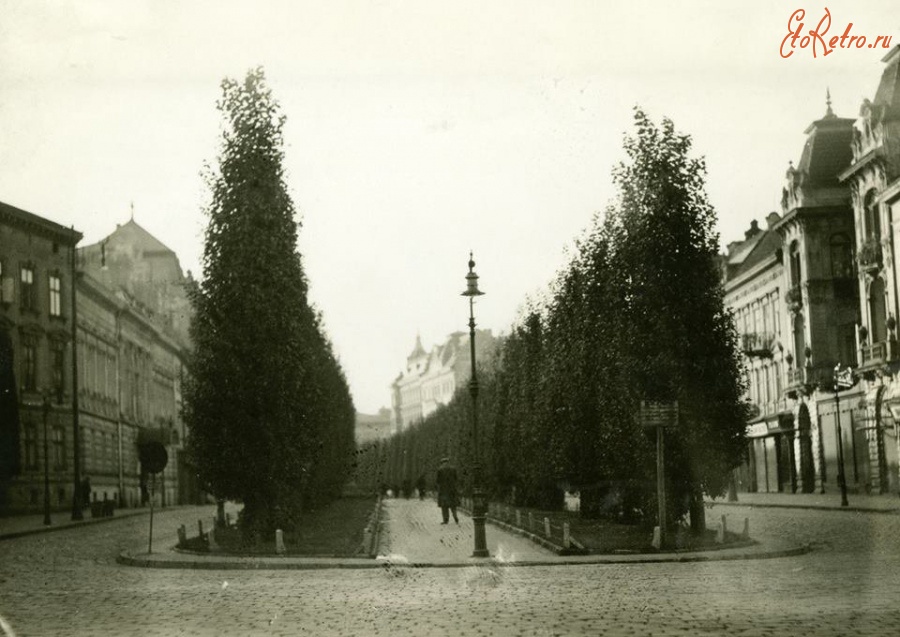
column 269, row 410
column 637, row 314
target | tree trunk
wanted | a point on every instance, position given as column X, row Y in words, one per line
column 698, row 513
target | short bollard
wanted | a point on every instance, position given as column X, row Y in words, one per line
column 182, row 535
column 530, row 521
column 746, row 533
column 212, row 539
column 200, row 529
column 547, row 527
column 567, row 537
column 279, row 542
column 657, row 542
column 518, row 518
column 720, row 533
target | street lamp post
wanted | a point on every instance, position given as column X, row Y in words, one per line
column 841, row 381
column 46, row 410
column 479, row 505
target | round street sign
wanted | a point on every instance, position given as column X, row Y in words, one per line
column 153, row 455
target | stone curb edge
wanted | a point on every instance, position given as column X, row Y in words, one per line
column 125, row 558
column 806, row 507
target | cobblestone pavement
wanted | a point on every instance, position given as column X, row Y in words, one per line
column 67, row 583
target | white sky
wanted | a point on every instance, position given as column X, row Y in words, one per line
column 416, row 130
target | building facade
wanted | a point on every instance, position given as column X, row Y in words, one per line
column 36, row 414
column 815, row 292
column 131, row 345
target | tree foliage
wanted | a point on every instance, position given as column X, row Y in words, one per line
column 637, row 314
column 270, row 414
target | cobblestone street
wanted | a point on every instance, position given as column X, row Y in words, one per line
column 68, row 583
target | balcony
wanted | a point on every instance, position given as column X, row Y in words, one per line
column 875, row 355
column 757, row 344
column 795, row 378
column 869, row 257
column 805, row 380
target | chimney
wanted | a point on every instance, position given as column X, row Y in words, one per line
column 753, row 231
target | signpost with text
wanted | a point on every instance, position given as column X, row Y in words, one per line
column 660, row 415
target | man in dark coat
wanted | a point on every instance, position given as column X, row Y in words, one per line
column 446, row 488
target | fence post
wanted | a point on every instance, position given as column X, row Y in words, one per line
column 200, row 528
column 567, row 537
column 279, row 542
column 518, row 518
column 530, row 521
column 547, row 526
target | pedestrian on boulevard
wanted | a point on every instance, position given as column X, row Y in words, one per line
column 420, row 485
column 448, row 498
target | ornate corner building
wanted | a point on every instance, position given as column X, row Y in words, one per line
column 817, row 289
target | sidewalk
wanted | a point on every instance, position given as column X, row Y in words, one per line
column 19, row 525
column 887, row 503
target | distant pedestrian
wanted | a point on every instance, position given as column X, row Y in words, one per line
column 420, row 485
column 448, row 498
column 86, row 492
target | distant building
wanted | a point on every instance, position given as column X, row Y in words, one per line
column 430, row 379
column 373, row 427
column 35, row 360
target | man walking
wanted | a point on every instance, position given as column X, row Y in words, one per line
column 446, row 488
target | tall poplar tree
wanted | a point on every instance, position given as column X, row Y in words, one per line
column 266, row 397
column 680, row 343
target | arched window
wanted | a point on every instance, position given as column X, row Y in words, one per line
column 800, row 341
column 877, row 316
column 841, row 256
column 872, row 218
column 795, row 264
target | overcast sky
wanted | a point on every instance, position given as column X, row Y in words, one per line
column 416, row 131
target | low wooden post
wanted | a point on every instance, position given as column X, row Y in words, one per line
column 200, row 528
column 212, row 538
column 547, row 526
column 567, row 537
column 530, row 521
column 279, row 542
column 746, row 533
column 182, row 536
column 518, row 518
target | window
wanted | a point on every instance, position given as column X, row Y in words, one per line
column 872, row 218
column 55, row 295
column 30, row 447
column 796, row 275
column 29, row 302
column 59, row 448
column 29, row 364
column 58, row 362
column 841, row 257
